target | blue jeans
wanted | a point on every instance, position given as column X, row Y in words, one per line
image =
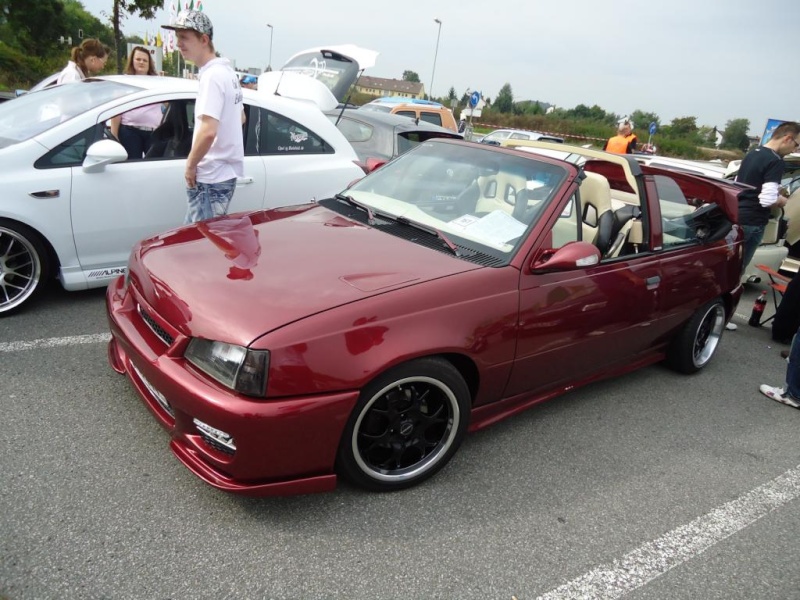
column 136, row 141
column 753, row 234
column 209, row 200
column 793, row 369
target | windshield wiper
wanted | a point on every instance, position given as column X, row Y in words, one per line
column 402, row 220
column 433, row 231
column 357, row 204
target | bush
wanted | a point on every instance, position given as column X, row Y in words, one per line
column 20, row 70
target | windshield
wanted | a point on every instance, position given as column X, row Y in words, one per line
column 481, row 199
column 33, row 113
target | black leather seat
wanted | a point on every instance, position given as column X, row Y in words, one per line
column 172, row 139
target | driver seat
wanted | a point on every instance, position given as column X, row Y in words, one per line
column 173, row 138
column 597, row 215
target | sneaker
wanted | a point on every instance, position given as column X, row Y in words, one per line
column 731, row 326
column 779, row 395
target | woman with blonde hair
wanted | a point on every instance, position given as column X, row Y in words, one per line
column 87, row 59
column 134, row 129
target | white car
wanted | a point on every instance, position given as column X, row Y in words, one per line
column 73, row 204
column 496, row 137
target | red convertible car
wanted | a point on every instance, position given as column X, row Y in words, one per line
column 363, row 335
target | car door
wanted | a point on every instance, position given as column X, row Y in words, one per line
column 115, row 207
column 575, row 323
column 300, row 165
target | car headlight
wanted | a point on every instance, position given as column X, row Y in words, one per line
column 236, row 367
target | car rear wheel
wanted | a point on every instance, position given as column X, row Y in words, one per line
column 695, row 344
column 407, row 425
column 23, row 265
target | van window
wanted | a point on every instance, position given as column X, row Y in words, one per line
column 434, row 118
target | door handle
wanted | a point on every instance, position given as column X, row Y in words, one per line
column 652, row 283
column 244, row 180
column 46, row 194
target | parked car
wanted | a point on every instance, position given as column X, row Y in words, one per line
column 414, row 108
column 782, row 234
column 74, row 204
column 379, row 137
column 498, row 136
column 363, row 335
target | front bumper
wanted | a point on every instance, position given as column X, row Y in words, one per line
column 284, row 446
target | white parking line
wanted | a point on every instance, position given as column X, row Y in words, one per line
column 96, row 338
column 653, row 559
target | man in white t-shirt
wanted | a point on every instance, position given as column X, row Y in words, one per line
column 217, row 155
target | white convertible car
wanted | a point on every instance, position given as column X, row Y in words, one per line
column 72, row 204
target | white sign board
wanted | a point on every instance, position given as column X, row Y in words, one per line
column 471, row 112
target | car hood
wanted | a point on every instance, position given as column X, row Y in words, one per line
column 239, row 277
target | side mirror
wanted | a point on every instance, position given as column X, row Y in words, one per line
column 102, row 153
column 572, row 256
column 374, row 163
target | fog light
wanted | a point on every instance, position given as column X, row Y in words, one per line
column 217, row 438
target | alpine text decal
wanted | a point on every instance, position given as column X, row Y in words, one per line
column 105, row 273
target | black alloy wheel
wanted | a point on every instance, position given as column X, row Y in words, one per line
column 406, row 426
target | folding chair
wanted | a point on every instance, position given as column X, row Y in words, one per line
column 777, row 284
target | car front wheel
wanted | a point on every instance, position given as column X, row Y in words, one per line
column 695, row 344
column 23, row 265
column 406, row 426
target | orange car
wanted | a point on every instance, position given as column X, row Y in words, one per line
column 419, row 110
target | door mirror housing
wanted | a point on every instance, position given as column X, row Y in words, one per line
column 102, row 153
column 570, row 257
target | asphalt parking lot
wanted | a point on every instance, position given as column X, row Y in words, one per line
column 650, row 486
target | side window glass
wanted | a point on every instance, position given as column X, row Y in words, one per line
column 434, row 118
column 567, row 228
column 137, row 128
column 284, row 136
column 69, row 153
column 172, row 139
column 676, row 213
column 406, row 113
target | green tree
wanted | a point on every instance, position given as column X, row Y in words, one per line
column 144, row 8
column 593, row 113
column 410, row 76
column 504, row 102
column 451, row 95
column 735, row 134
column 708, row 135
column 642, row 119
column 33, row 27
column 683, row 126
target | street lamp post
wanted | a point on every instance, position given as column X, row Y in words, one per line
column 271, row 30
column 433, row 72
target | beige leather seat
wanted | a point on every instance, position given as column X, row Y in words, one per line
column 596, row 212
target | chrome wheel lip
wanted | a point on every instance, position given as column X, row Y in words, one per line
column 15, row 247
column 708, row 335
column 429, row 461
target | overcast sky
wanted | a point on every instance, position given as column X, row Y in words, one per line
column 716, row 60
